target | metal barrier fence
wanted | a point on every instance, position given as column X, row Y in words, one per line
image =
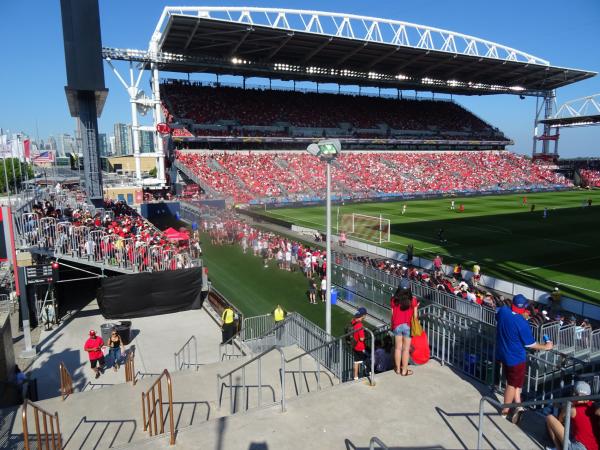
column 470, row 346
column 97, row 246
column 358, row 282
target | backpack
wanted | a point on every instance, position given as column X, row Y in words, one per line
column 349, row 332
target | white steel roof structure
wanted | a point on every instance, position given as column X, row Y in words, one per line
column 342, row 48
column 579, row 112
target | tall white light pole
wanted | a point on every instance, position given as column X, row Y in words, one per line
column 327, row 151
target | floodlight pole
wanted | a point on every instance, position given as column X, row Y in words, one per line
column 328, row 250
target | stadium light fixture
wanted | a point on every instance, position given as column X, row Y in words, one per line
column 327, row 150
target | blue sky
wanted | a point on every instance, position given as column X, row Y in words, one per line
column 32, row 74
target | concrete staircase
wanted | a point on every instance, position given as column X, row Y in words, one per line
column 112, row 416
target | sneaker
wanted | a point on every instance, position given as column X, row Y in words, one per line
column 517, row 415
column 97, row 375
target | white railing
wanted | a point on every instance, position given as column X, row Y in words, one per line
column 96, row 245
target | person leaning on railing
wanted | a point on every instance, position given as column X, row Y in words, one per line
column 513, row 337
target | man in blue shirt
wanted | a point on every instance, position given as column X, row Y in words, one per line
column 513, row 337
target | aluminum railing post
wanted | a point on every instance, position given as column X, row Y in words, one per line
column 259, row 382
column 282, row 381
column 566, row 438
column 480, row 423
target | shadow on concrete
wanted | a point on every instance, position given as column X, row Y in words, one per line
column 186, row 413
column 490, row 419
column 241, row 395
column 351, row 446
column 307, row 378
column 258, row 446
column 101, row 433
column 48, row 376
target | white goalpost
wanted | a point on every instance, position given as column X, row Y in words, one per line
column 365, row 227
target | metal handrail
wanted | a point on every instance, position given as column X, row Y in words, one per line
column 54, row 435
column 231, row 342
column 66, row 381
column 130, row 367
column 339, row 339
column 375, row 440
column 492, row 401
column 179, row 355
column 150, row 424
column 244, row 387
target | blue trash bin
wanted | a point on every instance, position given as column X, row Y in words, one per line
column 333, row 297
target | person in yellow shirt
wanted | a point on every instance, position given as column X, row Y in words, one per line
column 228, row 327
column 279, row 316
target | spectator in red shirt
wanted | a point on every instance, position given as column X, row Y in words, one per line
column 584, row 420
column 359, row 339
column 404, row 306
column 94, row 346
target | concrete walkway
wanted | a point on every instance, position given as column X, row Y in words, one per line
column 155, row 339
column 433, row 409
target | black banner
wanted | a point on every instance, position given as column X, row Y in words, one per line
column 150, row 294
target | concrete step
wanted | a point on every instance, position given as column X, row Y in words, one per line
column 434, row 408
column 108, row 416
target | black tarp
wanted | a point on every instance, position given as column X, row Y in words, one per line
column 150, row 294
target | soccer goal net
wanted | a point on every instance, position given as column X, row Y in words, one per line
column 364, row 227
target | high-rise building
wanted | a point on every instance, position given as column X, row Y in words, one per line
column 146, row 141
column 112, row 145
column 66, row 144
column 103, row 144
column 123, row 144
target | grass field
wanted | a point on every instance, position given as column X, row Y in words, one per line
column 498, row 232
column 256, row 290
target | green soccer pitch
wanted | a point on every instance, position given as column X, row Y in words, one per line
column 498, row 232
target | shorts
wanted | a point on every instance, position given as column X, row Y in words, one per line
column 359, row 356
column 515, row 375
column 100, row 361
column 402, row 330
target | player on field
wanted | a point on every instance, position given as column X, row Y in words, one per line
column 461, row 208
column 545, row 213
column 441, row 237
column 403, row 209
column 452, row 206
column 524, row 200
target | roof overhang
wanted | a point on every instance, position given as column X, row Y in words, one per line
column 579, row 121
column 347, row 49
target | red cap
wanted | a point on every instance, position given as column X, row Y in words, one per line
column 92, row 333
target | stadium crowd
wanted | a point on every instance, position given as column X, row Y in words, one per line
column 245, row 176
column 212, row 105
column 590, row 177
column 126, row 238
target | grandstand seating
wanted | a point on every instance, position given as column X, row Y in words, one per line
column 359, row 116
column 244, row 176
column 590, row 177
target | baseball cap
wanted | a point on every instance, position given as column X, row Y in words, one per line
column 362, row 311
column 582, row 388
column 520, row 304
column 92, row 333
column 404, row 284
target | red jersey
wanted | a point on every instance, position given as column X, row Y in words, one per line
column 582, row 425
column 94, row 343
column 398, row 316
column 359, row 333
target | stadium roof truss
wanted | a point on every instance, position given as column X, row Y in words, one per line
column 344, row 49
column 583, row 111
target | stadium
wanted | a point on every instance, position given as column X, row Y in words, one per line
column 319, row 234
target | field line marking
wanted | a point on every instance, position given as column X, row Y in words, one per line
column 558, row 264
column 566, row 242
column 560, row 283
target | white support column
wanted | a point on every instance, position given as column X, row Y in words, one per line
column 158, row 141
